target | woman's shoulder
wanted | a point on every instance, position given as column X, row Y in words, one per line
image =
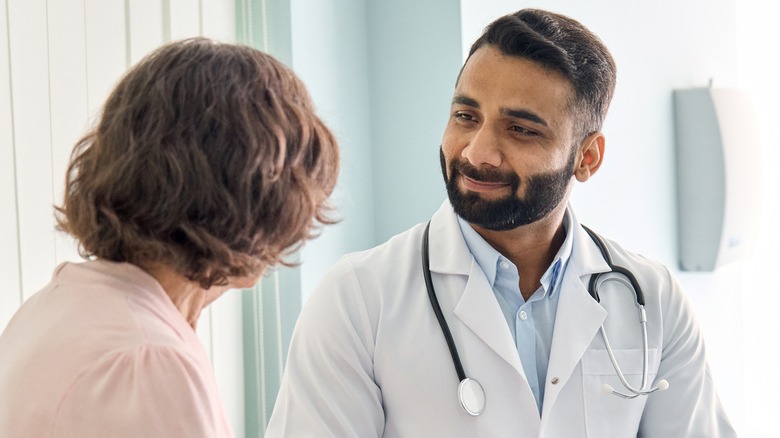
column 105, row 347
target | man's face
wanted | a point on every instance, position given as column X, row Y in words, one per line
column 508, row 151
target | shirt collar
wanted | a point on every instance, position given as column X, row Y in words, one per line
column 488, row 257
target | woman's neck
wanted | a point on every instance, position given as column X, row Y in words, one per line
column 186, row 295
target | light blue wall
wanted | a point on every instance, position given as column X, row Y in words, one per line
column 330, row 54
column 414, row 59
column 381, row 75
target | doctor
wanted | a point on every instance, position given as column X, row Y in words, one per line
column 510, row 266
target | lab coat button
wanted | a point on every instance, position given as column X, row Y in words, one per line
column 554, row 381
column 523, row 315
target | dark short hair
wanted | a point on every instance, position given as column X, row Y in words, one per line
column 561, row 44
column 208, row 158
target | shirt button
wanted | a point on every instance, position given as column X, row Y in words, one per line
column 523, row 315
column 504, row 265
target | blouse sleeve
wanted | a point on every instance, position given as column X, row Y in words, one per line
column 151, row 391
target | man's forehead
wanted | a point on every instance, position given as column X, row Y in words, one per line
column 495, row 51
column 490, row 74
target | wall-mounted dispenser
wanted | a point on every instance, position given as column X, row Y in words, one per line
column 718, row 176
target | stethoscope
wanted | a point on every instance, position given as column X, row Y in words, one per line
column 471, row 395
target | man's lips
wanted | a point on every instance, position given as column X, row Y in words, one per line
column 482, row 186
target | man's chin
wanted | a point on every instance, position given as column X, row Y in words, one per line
column 492, row 225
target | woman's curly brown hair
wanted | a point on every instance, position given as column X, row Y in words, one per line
column 208, row 158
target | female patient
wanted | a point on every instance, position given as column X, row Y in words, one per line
column 208, row 166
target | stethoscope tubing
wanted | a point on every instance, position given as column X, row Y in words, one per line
column 640, row 303
column 592, row 290
column 445, row 328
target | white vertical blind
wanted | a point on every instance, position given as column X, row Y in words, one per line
column 227, row 355
column 68, row 98
column 221, row 22
column 145, row 18
column 187, row 18
column 59, row 60
column 106, row 42
column 29, row 55
column 11, row 296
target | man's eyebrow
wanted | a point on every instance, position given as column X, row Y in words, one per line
column 463, row 100
column 524, row 114
column 515, row 113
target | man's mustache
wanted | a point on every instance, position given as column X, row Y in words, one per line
column 484, row 175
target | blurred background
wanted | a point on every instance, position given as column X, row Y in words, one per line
column 382, row 74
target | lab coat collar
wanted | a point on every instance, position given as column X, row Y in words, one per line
column 488, row 257
column 450, row 254
column 586, row 257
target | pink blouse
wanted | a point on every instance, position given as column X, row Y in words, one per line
column 102, row 351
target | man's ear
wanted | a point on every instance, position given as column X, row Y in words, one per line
column 590, row 155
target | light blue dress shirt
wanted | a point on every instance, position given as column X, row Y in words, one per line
column 530, row 322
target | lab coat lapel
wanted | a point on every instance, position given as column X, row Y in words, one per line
column 578, row 318
column 480, row 312
column 477, row 307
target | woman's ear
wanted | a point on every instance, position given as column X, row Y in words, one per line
column 589, row 156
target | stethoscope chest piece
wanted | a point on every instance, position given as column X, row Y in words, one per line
column 471, row 396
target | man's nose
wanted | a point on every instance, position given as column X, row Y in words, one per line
column 483, row 148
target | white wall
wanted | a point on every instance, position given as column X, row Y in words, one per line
column 58, row 62
column 758, row 67
column 659, row 46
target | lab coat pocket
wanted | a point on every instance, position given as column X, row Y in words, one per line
column 607, row 415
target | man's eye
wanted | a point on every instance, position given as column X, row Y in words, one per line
column 524, row 131
column 463, row 116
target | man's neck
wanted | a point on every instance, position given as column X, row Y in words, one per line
column 530, row 247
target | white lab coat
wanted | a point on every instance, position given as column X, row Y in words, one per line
column 368, row 358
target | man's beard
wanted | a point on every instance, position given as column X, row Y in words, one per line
column 543, row 193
